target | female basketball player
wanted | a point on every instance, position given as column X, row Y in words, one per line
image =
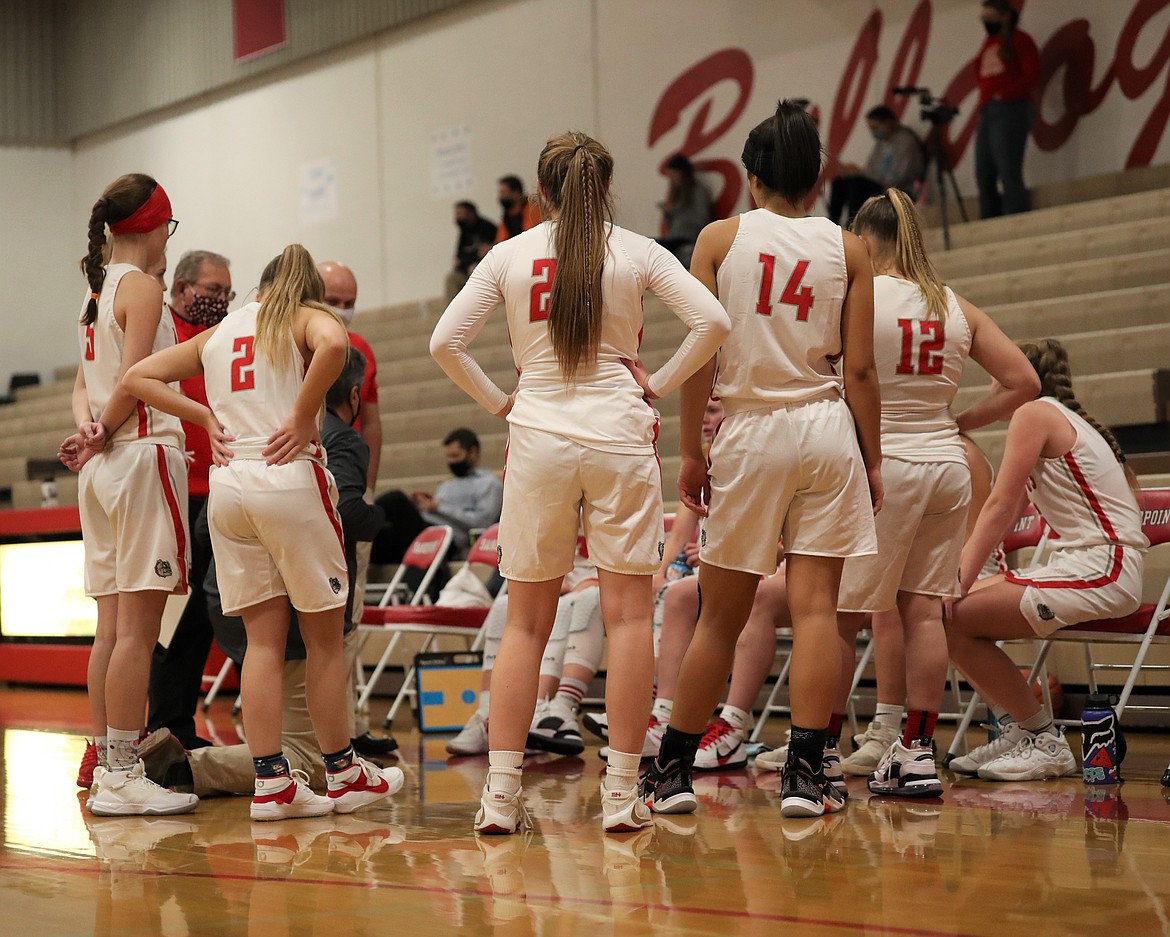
column 268, row 367
column 581, row 443
column 923, row 334
column 799, row 292
column 1071, row 468
column 133, row 482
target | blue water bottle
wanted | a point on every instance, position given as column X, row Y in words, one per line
column 1102, row 744
column 678, row 568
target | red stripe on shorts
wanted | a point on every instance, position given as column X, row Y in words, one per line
column 142, row 422
column 169, row 496
column 323, row 488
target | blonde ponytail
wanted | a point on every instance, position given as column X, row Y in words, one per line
column 295, row 282
column 575, row 171
column 892, row 220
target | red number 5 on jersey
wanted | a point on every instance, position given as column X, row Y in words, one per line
column 243, row 376
column 793, row 295
column 930, row 357
column 538, row 302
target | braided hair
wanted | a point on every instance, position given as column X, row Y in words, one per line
column 121, row 199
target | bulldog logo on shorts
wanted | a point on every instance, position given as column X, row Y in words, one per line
column 661, row 550
column 499, row 555
column 335, row 584
column 162, row 569
column 1045, row 612
column 703, row 537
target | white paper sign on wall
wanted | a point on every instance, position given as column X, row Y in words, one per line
column 451, row 161
column 318, row 191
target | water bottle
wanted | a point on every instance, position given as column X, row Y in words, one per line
column 49, row 493
column 1102, row 744
column 678, row 568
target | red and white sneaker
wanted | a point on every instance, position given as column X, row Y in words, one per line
column 89, row 761
column 650, row 744
column 362, row 784
column 722, row 747
column 287, row 797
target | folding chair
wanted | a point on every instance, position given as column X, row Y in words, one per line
column 429, row 620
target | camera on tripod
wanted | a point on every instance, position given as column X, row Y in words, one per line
column 937, row 111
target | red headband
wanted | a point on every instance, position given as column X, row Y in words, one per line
column 155, row 211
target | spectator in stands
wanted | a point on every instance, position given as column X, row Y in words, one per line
column 200, row 294
column 229, row 770
column 1007, row 67
column 476, row 236
column 687, row 210
column 896, row 161
column 470, row 501
column 520, row 211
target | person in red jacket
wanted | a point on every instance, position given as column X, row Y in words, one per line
column 200, row 294
column 1007, row 67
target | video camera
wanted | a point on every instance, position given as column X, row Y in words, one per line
column 938, row 111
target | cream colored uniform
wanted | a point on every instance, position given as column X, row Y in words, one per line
column 1097, row 570
column 785, row 459
column 927, row 482
column 274, row 528
column 584, row 448
column 132, row 496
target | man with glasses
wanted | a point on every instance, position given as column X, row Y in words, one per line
column 200, row 294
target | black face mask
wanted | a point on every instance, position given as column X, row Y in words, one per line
column 466, row 225
column 460, row 469
column 507, row 203
column 993, row 27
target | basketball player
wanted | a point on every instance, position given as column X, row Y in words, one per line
column 132, row 486
column 581, row 444
column 799, row 292
column 268, row 367
column 923, row 334
column 1071, row 468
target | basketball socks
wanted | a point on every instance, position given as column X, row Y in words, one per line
column 888, row 714
column 571, row 692
column 271, row 766
column 101, row 743
column 663, row 709
column 807, row 745
column 833, row 732
column 919, row 727
column 504, row 771
column 121, row 748
column 621, row 770
column 340, row 762
column 1041, row 722
column 735, row 717
column 485, row 701
column 677, row 747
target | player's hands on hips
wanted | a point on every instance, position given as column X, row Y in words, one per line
column 294, row 434
column 74, row 453
column 641, row 375
column 93, row 435
column 221, row 453
column 877, row 493
column 694, row 485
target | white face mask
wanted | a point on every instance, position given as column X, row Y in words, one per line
column 346, row 315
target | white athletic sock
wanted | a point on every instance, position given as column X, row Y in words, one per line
column 504, row 771
column 889, row 714
column 737, row 717
column 571, row 692
column 101, row 743
column 121, row 748
column 1041, row 722
column 662, row 709
column 621, row 770
column 485, row 699
column 1001, row 715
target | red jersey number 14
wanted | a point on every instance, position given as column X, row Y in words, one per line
column 793, row 295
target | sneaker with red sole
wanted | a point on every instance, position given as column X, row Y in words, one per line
column 362, row 784
column 89, row 761
column 288, row 797
column 722, row 748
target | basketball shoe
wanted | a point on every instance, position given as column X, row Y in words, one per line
column 805, row 793
column 907, row 772
column 669, row 790
column 554, row 729
column 831, row 767
column 473, row 739
column 363, row 783
column 598, row 724
column 650, row 745
column 132, row 793
column 722, row 747
column 501, row 813
column 287, row 797
column 874, row 742
column 969, row 764
column 1035, row 757
column 623, row 810
column 89, row 761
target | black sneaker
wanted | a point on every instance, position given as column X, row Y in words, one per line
column 370, row 746
column 805, row 793
column 669, row 790
column 598, row 724
column 555, row 730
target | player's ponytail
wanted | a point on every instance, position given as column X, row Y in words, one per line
column 289, row 281
column 784, row 152
column 891, row 220
column 574, row 172
column 121, row 199
column 1049, row 358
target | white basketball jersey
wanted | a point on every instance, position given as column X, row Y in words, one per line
column 101, row 362
column 250, row 394
column 919, row 363
column 1084, row 494
column 782, row 283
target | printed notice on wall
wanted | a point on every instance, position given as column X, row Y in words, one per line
column 318, row 191
column 451, row 161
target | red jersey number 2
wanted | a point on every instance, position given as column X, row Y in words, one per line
column 541, row 289
column 243, row 375
column 89, row 353
column 793, row 295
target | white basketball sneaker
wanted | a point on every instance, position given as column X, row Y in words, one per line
column 969, row 764
column 722, row 747
column 287, row 797
column 623, row 810
column 132, row 793
column 1035, row 757
column 831, row 766
column 872, row 744
column 907, row 772
column 501, row 813
column 363, row 783
column 473, row 739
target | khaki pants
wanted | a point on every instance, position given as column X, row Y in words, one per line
column 228, row 769
column 359, row 719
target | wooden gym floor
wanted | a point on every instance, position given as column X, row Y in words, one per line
column 989, row 859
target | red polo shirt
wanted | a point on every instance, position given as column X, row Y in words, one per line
column 370, row 383
column 198, row 443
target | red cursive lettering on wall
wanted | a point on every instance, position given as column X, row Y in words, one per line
column 909, row 57
column 1134, row 80
column 733, row 65
column 853, row 91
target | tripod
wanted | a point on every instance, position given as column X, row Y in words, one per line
column 936, row 153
